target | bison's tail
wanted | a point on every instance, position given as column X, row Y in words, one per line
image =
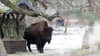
column 24, row 37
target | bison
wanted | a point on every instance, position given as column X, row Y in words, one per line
column 38, row 33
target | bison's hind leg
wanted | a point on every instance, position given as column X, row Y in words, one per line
column 29, row 48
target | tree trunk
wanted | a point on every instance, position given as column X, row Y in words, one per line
column 2, row 49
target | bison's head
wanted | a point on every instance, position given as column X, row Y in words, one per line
column 48, row 33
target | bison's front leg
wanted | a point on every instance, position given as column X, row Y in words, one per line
column 40, row 47
column 29, row 48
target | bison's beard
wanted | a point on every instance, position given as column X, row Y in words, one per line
column 49, row 40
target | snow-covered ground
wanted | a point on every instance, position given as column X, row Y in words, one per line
column 60, row 42
column 71, row 40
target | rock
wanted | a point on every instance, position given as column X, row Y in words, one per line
column 2, row 49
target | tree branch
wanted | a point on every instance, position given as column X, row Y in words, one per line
column 18, row 9
column 34, row 13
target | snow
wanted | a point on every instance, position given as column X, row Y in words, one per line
column 60, row 40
